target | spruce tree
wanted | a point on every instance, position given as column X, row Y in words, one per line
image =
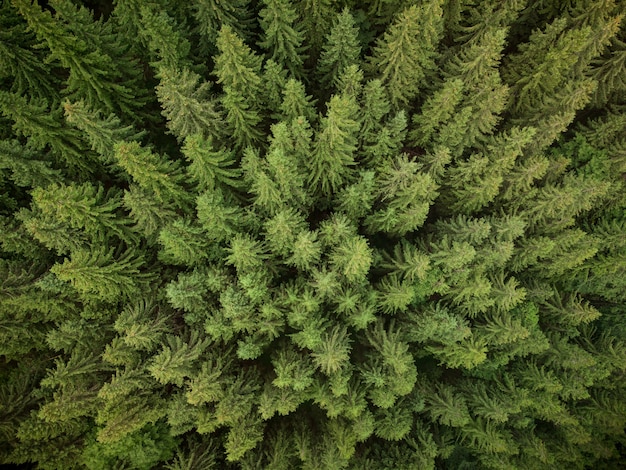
column 296, row 102
column 44, row 127
column 155, row 174
column 312, row 234
column 281, row 40
column 187, row 104
column 23, row 65
column 342, row 49
column 405, row 54
column 101, row 275
column 238, row 70
column 102, row 133
column 210, row 15
column 99, row 71
column 334, row 146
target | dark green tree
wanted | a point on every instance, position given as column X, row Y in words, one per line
column 341, row 50
column 281, row 40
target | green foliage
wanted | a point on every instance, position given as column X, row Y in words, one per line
column 281, row 39
column 210, row 168
column 174, row 362
column 406, row 52
column 142, row 450
column 187, row 104
column 43, row 128
column 237, row 67
column 405, row 195
column 100, row 72
column 436, row 112
column 296, row 102
column 312, row 234
column 21, row 62
column 102, row 133
column 210, row 15
column 159, row 31
column 160, row 177
column 83, row 211
column 102, row 275
column 341, row 50
column 334, row 147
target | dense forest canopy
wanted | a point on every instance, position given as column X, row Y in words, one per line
column 317, row 234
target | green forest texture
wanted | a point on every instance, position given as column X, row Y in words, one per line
column 313, row 234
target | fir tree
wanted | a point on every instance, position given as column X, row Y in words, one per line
column 26, row 167
column 210, row 168
column 274, row 80
column 375, row 106
column 405, row 54
column 24, row 66
column 405, row 194
column 210, row 15
column 33, row 120
column 237, row 68
column 428, row 273
column 102, row 133
column 99, row 72
column 85, row 208
column 316, row 19
column 152, row 173
column 187, row 104
column 281, row 40
column 168, row 48
column 101, row 275
column 334, row 146
column 296, row 102
column 562, row 49
column 436, row 112
column 342, row 49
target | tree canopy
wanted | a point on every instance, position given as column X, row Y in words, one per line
column 313, row 234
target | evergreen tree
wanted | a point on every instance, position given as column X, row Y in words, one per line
column 83, row 211
column 210, row 168
column 210, row 15
column 436, row 112
column 606, row 73
column 405, row 195
column 174, row 362
column 334, row 146
column 160, row 177
column 428, row 273
column 481, row 177
column 274, row 80
column 239, row 72
column 168, row 48
column 375, row 106
column 341, row 50
column 99, row 71
column 552, row 56
column 102, row 133
column 187, row 104
column 296, row 102
column 281, row 40
column 101, row 275
column 26, row 167
column 237, row 68
column 316, row 19
column 33, row 120
column 183, row 243
column 21, row 63
column 405, row 54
